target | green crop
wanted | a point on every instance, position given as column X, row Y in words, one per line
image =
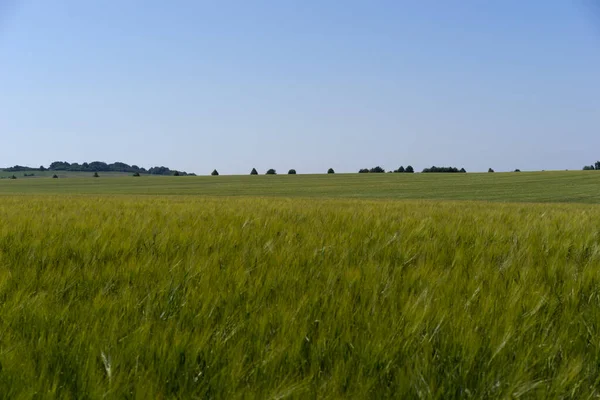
column 187, row 297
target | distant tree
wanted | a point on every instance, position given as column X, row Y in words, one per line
column 13, row 177
column 136, row 174
column 96, row 175
column 597, row 165
column 59, row 166
column 54, row 176
column 401, row 169
column 363, row 171
column 98, row 166
column 160, row 171
column 409, row 169
column 271, row 172
column 490, row 170
column 330, row 171
column 18, row 168
column 442, row 169
column 176, row 173
column 215, row 173
column 42, row 168
column 517, row 170
column 254, row 172
column 377, row 170
column 463, row 170
column 588, row 168
column 292, row 172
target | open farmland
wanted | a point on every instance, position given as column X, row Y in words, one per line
column 555, row 186
column 194, row 296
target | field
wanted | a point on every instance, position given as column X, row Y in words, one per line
column 344, row 286
column 565, row 186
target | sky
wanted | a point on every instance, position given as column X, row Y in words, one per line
column 304, row 84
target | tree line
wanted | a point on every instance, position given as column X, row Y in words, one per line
column 100, row 166
column 409, row 169
column 593, row 167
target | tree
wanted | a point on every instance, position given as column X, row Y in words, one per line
column 444, row 169
column 13, row 177
column 490, row 170
column 136, row 174
column 59, row 165
column 401, row 169
column 292, row 172
column 330, row 171
column 98, row 166
column 462, row 170
column 96, row 175
column 271, row 172
column 254, row 172
column 410, row 169
column 588, row 168
column 176, row 173
column 215, row 173
column 377, row 170
column 42, row 168
column 597, row 165
column 363, row 171
column 160, row 171
column 517, row 170
column 54, row 176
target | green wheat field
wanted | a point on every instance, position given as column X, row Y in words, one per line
column 434, row 286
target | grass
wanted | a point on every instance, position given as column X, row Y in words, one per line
column 565, row 186
column 309, row 286
column 195, row 297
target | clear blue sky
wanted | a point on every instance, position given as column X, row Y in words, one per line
column 311, row 84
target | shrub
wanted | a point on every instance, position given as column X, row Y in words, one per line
column 96, row 175
column 254, row 172
column 409, row 169
column 490, row 170
column 176, row 173
column 136, row 174
column 215, row 173
column 13, row 177
column 54, row 176
column 271, row 172
column 517, row 170
column 377, row 170
column 330, row 171
column 401, row 169
column 443, row 169
column 462, row 170
column 292, row 172
column 363, row 171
